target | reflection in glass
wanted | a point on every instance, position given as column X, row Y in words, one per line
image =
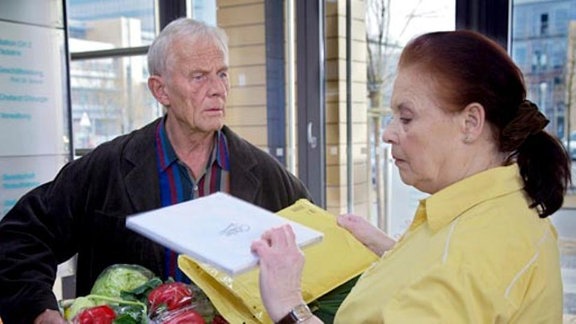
column 109, row 94
column 389, row 26
column 87, row 16
column 543, row 46
column 110, row 97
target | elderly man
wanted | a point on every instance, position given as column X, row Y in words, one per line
column 186, row 154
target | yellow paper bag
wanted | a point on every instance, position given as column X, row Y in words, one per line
column 330, row 263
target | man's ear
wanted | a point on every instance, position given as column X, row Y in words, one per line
column 474, row 119
column 156, row 86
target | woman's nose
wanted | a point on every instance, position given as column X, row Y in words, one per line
column 388, row 135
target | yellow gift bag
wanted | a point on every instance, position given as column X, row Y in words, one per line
column 330, row 263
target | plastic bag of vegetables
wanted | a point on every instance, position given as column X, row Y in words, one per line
column 94, row 309
column 131, row 294
column 120, row 277
column 105, row 303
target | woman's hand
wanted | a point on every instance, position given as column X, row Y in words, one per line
column 371, row 236
column 281, row 264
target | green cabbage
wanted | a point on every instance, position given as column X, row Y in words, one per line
column 120, row 277
column 78, row 305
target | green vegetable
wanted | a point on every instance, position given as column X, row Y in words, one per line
column 140, row 293
column 79, row 304
column 130, row 314
column 120, row 277
column 127, row 311
column 327, row 305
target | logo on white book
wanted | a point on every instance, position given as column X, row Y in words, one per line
column 234, row 229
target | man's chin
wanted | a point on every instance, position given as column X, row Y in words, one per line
column 214, row 127
column 219, row 126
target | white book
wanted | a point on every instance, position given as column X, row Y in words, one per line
column 217, row 229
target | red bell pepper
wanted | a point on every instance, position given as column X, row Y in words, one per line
column 103, row 314
column 173, row 295
column 183, row 316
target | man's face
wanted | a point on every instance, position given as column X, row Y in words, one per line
column 196, row 85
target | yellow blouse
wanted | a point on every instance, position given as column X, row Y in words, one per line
column 474, row 253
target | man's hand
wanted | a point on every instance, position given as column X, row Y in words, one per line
column 50, row 316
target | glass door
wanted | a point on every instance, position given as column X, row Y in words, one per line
column 543, row 45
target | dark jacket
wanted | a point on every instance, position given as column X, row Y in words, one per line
column 83, row 210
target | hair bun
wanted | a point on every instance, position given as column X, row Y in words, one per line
column 528, row 121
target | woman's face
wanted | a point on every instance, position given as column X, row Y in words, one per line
column 426, row 139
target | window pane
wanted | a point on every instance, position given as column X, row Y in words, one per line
column 204, row 10
column 543, row 47
column 109, row 94
column 110, row 97
column 393, row 202
column 120, row 23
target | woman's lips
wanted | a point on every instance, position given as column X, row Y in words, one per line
column 398, row 161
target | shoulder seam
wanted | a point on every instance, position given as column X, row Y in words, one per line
column 527, row 265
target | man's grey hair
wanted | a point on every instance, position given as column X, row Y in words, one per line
column 161, row 47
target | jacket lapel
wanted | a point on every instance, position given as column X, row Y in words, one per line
column 244, row 184
column 141, row 179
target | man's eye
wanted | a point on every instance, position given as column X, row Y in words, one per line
column 405, row 120
column 198, row 77
column 223, row 75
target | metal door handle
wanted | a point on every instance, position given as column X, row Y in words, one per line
column 312, row 140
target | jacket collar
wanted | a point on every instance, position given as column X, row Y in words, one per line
column 140, row 162
column 244, row 184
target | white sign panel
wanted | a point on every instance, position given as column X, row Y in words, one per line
column 18, row 175
column 43, row 12
column 32, row 102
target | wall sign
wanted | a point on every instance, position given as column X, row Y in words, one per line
column 34, row 128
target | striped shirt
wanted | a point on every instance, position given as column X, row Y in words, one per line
column 177, row 183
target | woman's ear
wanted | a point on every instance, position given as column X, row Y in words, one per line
column 157, row 88
column 474, row 119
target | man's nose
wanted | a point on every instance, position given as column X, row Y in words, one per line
column 218, row 86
